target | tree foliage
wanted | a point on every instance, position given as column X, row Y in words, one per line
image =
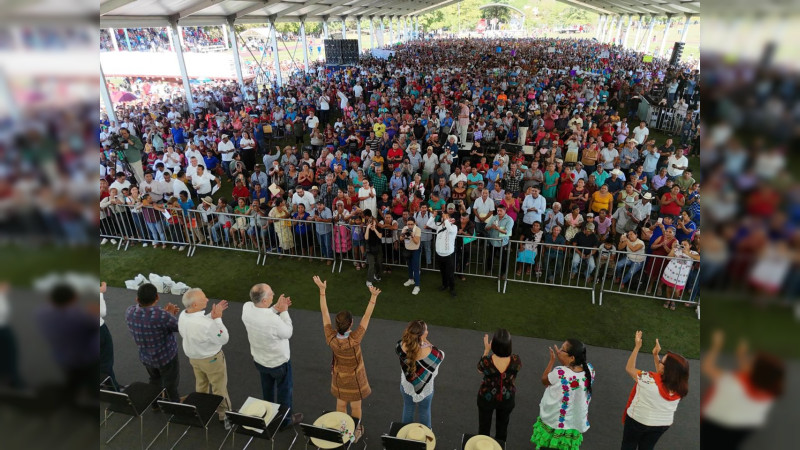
column 538, row 13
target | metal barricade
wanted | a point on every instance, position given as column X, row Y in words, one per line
column 148, row 225
column 227, row 231
column 657, row 277
column 305, row 239
column 665, row 119
column 553, row 265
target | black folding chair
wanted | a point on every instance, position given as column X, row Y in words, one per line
column 327, row 435
column 196, row 410
column 392, row 442
column 132, row 401
column 261, row 430
column 466, row 437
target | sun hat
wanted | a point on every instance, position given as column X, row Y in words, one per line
column 629, row 201
column 258, row 408
column 481, row 442
column 647, row 196
column 334, row 420
column 418, row 432
column 616, row 172
column 208, row 200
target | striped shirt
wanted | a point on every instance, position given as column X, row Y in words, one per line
column 419, row 384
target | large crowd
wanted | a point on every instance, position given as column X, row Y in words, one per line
column 156, row 39
column 532, row 141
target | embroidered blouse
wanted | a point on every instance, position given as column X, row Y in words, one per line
column 496, row 386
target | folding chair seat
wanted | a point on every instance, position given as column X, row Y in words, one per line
column 132, row 401
column 196, row 410
column 256, row 427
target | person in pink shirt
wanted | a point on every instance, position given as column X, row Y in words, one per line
column 603, row 222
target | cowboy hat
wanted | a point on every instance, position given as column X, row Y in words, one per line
column 481, row 442
column 616, row 172
column 208, row 200
column 258, row 408
column 418, row 432
column 647, row 196
column 334, row 421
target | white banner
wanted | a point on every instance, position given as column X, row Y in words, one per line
column 381, row 53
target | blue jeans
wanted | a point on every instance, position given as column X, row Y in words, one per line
column 277, row 379
column 156, row 232
column 426, row 246
column 215, row 230
column 413, row 265
column 625, row 262
column 325, row 244
column 423, row 408
column 576, row 264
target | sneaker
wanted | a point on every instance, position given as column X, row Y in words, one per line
column 114, row 241
column 144, row 244
column 226, row 423
column 377, row 278
column 369, row 285
column 174, row 247
column 104, row 241
column 181, row 248
column 408, row 283
column 415, row 291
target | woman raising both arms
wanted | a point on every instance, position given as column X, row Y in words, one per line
column 349, row 382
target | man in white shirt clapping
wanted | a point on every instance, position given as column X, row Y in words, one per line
column 203, row 337
column 269, row 329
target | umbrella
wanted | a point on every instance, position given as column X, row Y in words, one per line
column 122, row 97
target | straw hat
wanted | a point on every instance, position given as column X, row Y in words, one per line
column 616, row 172
column 258, row 408
column 208, row 201
column 333, row 420
column 481, row 442
column 418, row 432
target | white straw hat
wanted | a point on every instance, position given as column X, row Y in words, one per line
column 481, row 442
column 418, row 432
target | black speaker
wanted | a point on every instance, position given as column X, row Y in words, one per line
column 349, row 51
column 677, row 52
column 333, row 52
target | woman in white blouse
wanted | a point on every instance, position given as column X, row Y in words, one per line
column 654, row 398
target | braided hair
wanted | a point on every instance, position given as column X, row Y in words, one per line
column 578, row 350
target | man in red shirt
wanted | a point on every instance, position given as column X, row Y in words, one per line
column 394, row 156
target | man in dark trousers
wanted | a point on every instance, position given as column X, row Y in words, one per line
column 153, row 329
column 445, row 229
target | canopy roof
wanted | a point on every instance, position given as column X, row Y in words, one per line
column 638, row 7
column 159, row 13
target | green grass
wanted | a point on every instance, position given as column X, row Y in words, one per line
column 20, row 266
column 538, row 311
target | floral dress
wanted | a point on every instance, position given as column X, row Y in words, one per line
column 283, row 228
column 677, row 271
column 564, row 410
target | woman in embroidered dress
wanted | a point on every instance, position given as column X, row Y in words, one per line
column 349, row 382
column 498, row 388
column 677, row 271
column 419, row 361
column 564, row 409
column 654, row 398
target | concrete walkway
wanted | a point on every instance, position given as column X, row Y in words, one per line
column 454, row 405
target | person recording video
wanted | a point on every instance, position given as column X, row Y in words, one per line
column 411, row 235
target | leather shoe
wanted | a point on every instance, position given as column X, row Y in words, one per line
column 296, row 418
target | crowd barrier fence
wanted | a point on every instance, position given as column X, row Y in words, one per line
column 340, row 243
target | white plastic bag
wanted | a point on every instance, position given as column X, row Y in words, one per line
column 179, row 288
column 132, row 285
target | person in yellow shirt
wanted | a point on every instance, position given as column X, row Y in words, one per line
column 601, row 199
column 379, row 128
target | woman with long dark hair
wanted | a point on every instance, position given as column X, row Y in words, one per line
column 564, row 409
column 499, row 368
column 419, row 361
column 349, row 382
column 654, row 398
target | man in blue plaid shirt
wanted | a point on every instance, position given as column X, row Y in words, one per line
column 153, row 329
